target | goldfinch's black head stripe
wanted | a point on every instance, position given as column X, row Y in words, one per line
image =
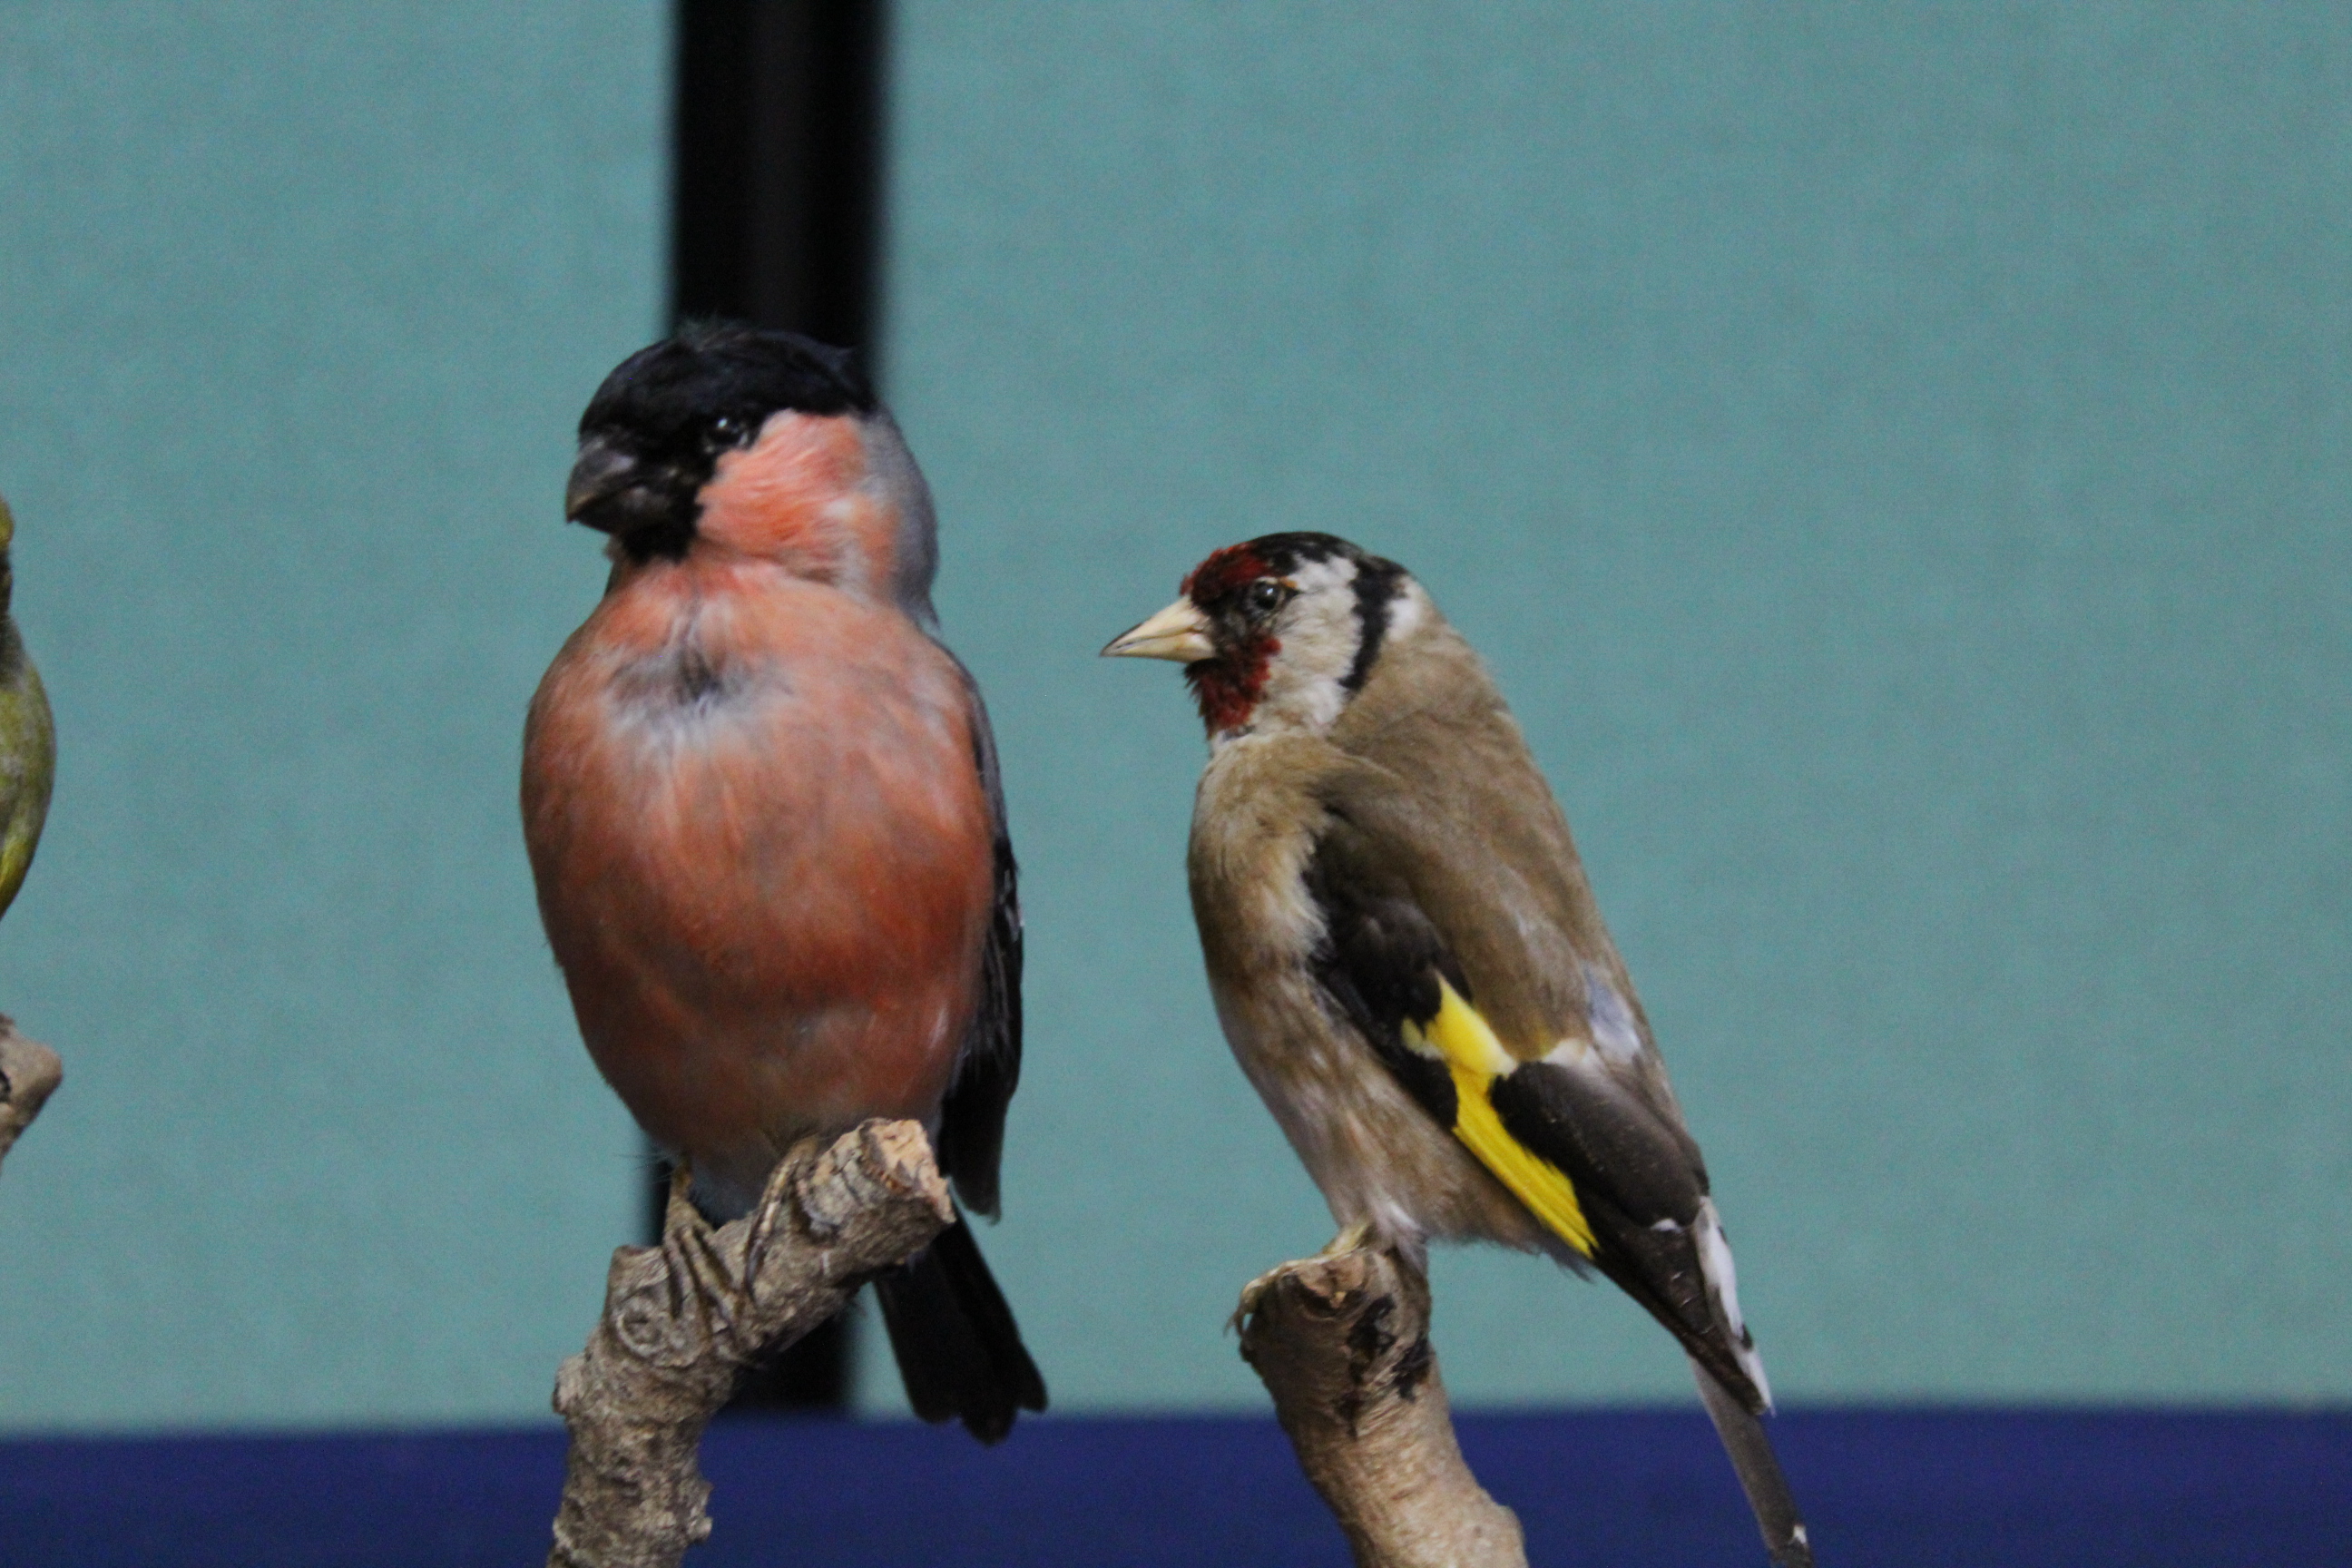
column 1377, row 583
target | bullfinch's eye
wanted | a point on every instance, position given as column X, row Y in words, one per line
column 1266, row 596
column 726, row 431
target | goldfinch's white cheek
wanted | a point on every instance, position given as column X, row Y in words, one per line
column 1307, row 684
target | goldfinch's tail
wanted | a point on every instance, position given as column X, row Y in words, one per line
column 1759, row 1472
column 958, row 1347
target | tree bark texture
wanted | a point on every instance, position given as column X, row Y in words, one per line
column 1341, row 1342
column 683, row 1319
column 29, row 1074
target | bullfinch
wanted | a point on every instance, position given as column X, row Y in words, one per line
column 762, row 809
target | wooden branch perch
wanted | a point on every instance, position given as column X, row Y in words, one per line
column 1342, row 1343
column 29, row 1074
column 683, row 1319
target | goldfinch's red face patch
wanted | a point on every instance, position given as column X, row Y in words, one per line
column 1293, row 621
column 1238, row 591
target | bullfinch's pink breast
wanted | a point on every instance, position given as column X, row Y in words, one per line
column 764, row 855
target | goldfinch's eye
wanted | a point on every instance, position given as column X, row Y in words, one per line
column 1266, row 596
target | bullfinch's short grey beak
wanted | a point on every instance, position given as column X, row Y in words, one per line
column 604, row 480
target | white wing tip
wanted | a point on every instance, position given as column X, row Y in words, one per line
column 1723, row 1285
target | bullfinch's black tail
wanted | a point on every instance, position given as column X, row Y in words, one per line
column 1759, row 1472
column 957, row 1345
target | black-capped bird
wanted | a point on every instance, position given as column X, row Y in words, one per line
column 762, row 805
column 1408, row 962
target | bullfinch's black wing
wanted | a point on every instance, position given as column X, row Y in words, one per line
column 958, row 1346
column 972, row 1124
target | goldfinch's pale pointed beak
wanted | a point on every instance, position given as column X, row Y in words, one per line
column 1180, row 632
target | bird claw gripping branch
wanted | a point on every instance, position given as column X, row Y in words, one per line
column 683, row 1319
column 765, row 821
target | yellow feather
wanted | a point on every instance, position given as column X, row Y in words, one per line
column 1468, row 1044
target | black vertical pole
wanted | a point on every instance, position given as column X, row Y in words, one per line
column 775, row 205
column 777, row 130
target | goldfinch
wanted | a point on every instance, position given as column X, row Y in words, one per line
column 761, row 805
column 1411, row 969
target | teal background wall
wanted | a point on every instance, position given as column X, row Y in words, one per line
column 300, row 306
column 1893, row 456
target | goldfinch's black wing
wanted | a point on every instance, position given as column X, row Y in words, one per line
column 1430, row 939
column 972, row 1122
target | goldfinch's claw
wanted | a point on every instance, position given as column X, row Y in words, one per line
column 1251, row 1293
column 1353, row 1239
column 1355, row 1236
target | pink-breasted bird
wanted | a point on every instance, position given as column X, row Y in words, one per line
column 763, row 814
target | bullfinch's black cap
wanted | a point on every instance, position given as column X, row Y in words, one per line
column 654, row 430
column 714, row 370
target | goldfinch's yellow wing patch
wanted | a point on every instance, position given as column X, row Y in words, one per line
column 1476, row 1059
